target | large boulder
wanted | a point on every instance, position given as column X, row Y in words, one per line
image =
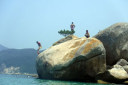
column 76, row 59
column 115, row 41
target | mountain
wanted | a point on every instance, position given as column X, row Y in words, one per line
column 24, row 59
column 3, row 47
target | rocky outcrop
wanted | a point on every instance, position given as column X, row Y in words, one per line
column 70, row 37
column 75, row 59
column 115, row 41
column 122, row 62
column 117, row 74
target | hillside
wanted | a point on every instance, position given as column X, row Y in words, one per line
column 24, row 59
column 3, row 47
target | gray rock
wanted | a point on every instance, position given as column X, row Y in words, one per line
column 126, row 68
column 115, row 75
column 115, row 41
column 122, row 62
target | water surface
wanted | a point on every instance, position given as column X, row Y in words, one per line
column 29, row 80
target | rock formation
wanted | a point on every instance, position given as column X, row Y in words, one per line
column 117, row 74
column 70, row 37
column 74, row 59
column 85, row 59
column 115, row 41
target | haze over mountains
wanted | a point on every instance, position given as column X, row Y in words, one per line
column 2, row 47
column 17, row 60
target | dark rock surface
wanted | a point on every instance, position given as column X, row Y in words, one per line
column 115, row 41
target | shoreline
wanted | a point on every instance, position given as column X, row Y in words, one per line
column 33, row 75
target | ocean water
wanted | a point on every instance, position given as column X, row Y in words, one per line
column 29, row 80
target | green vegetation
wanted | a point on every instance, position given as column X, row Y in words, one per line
column 66, row 32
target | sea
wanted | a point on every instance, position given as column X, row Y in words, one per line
column 6, row 79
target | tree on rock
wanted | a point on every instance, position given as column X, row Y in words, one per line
column 66, row 32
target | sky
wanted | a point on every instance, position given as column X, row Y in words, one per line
column 23, row 22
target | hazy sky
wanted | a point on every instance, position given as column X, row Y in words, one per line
column 23, row 22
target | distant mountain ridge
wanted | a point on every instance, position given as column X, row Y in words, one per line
column 23, row 59
column 3, row 47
